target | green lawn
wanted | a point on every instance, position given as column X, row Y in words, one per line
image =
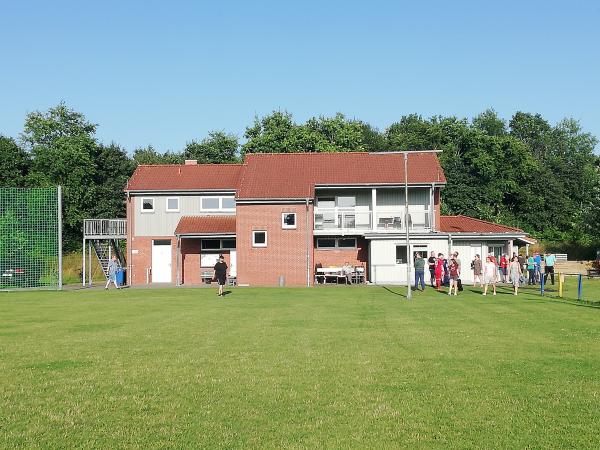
column 339, row 367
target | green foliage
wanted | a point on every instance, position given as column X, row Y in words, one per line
column 218, row 147
column 148, row 155
column 277, row 133
column 14, row 163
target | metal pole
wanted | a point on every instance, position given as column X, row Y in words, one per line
column 83, row 262
column 307, row 247
column 89, row 263
column 580, row 287
column 60, row 237
column 408, row 289
column 542, row 284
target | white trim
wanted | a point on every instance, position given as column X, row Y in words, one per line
column 146, row 211
column 259, row 245
column 273, row 201
column 167, row 204
column 284, row 225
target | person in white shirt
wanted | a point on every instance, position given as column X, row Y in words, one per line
column 348, row 270
column 490, row 274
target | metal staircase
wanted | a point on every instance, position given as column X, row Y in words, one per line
column 104, row 236
column 105, row 249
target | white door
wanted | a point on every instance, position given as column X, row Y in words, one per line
column 161, row 261
column 232, row 263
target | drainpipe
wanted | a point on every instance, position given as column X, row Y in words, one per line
column 307, row 246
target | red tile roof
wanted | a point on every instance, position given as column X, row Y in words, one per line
column 465, row 224
column 174, row 177
column 203, row 225
column 294, row 175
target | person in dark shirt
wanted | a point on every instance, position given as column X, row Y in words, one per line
column 221, row 273
column 431, row 263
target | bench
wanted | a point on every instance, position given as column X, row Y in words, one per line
column 207, row 277
column 591, row 273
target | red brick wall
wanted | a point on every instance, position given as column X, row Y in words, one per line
column 336, row 258
column 285, row 253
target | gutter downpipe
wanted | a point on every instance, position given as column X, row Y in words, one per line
column 307, row 247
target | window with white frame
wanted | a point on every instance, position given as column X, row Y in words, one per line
column 216, row 203
column 288, row 220
column 401, row 254
column 210, row 203
column 227, row 203
column 259, row 238
column 172, row 204
column 147, row 204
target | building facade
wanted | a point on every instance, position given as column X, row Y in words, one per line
column 279, row 218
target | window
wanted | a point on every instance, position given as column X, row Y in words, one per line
column 228, row 244
column 422, row 249
column 210, row 202
column 172, row 204
column 346, row 202
column 288, row 220
column 211, row 244
column 333, row 243
column 228, row 203
column 326, row 202
column 259, row 239
column 218, row 244
column 325, row 243
column 347, row 242
column 147, row 205
column 400, row 254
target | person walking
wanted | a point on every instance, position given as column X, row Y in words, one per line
column 113, row 266
column 419, row 271
column 477, row 267
column 220, row 274
column 549, row 259
column 490, row 274
column 503, row 267
column 431, row 263
column 454, row 272
column 531, row 270
column 515, row 273
column 439, row 271
column 537, row 258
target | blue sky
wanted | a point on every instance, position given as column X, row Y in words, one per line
column 164, row 73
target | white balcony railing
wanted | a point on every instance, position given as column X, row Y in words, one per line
column 116, row 228
column 334, row 218
column 385, row 221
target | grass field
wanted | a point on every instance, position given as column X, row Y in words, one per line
column 340, row 367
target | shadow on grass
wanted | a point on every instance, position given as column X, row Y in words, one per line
column 393, row 292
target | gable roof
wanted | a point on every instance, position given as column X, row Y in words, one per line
column 176, row 177
column 295, row 175
column 204, row 225
column 465, row 224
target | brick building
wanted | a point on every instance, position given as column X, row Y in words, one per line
column 285, row 218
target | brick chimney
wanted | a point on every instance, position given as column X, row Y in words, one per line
column 191, row 162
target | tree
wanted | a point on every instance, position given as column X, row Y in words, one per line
column 489, row 122
column 62, row 145
column 148, row 155
column 113, row 169
column 14, row 163
column 218, row 147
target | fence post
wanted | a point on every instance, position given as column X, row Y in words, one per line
column 561, row 280
column 542, row 285
column 580, row 287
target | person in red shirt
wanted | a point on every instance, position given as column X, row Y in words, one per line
column 439, row 271
column 504, row 267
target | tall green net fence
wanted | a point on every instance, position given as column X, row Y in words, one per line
column 30, row 238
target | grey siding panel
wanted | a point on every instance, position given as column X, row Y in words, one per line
column 160, row 222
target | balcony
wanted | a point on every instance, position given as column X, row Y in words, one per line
column 355, row 221
column 105, row 228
